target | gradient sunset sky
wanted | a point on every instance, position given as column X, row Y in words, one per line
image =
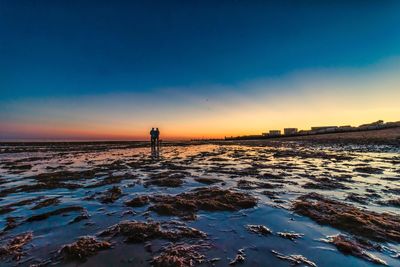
column 114, row 69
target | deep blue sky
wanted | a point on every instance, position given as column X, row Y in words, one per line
column 113, row 69
column 63, row 48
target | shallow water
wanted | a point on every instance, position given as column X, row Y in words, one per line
column 293, row 164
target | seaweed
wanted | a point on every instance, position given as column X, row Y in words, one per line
column 294, row 259
column 48, row 185
column 84, row 247
column 210, row 199
column 43, row 216
column 180, row 255
column 138, row 201
column 245, row 184
column 166, row 179
column 357, row 198
column 83, row 216
column 13, row 247
column 11, row 207
column 112, row 180
column 239, row 258
column 64, row 176
column 11, row 223
column 111, row 195
column 369, row 170
column 325, row 184
column 391, row 202
column 137, row 232
column 259, row 229
column 368, row 224
column 352, row 247
column 290, row 235
column 47, row 202
column 207, row 181
column 311, row 154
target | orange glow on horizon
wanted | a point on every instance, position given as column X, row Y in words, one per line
column 299, row 101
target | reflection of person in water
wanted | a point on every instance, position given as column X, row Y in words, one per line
column 155, row 152
column 157, row 136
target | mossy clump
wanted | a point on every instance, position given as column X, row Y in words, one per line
column 294, row 259
column 179, row 255
column 65, row 175
column 259, row 229
column 166, row 179
column 14, row 247
column 290, row 235
column 325, row 184
column 352, row 247
column 83, row 248
column 64, row 210
column 391, row 202
column 357, row 198
column 138, row 201
column 245, row 184
column 207, row 180
column 165, row 182
column 39, row 186
column 111, row 195
column 239, row 258
column 210, row 199
column 368, row 224
column 137, row 232
column 369, row 170
column 12, row 206
column 47, row 202
column 112, row 180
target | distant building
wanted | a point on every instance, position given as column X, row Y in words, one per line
column 323, row 128
column 373, row 125
column 274, row 132
column 393, row 124
column 345, row 128
column 305, row 132
column 290, row 131
column 264, row 134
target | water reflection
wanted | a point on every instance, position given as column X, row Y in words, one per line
column 275, row 174
column 155, row 152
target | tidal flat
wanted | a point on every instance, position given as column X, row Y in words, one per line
column 244, row 203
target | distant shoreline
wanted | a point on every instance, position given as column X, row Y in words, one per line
column 385, row 135
column 388, row 136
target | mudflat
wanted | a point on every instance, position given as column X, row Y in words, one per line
column 311, row 201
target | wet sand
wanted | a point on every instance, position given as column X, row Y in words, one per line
column 246, row 203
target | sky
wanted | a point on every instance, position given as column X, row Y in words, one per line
column 111, row 70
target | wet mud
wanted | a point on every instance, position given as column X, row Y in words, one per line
column 241, row 203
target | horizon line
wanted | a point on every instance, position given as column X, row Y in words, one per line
column 123, row 139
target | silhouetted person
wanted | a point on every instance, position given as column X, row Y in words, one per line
column 153, row 137
column 157, row 136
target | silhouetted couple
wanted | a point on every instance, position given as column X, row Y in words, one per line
column 154, row 137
